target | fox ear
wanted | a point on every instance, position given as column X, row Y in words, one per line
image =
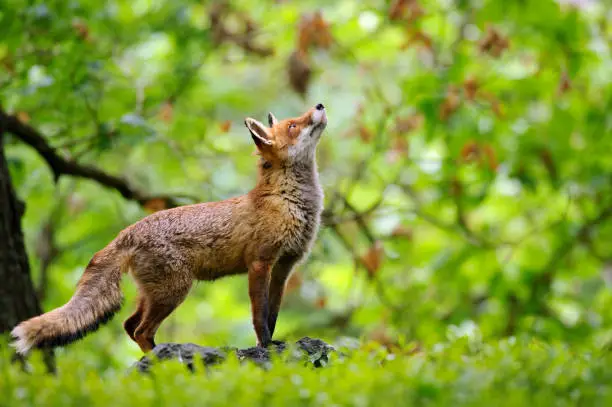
column 259, row 132
column 271, row 119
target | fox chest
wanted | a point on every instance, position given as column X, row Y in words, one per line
column 298, row 226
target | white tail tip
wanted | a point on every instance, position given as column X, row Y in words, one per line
column 20, row 343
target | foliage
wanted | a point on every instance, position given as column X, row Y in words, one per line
column 461, row 372
column 466, row 165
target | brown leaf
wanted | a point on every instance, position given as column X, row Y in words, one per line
column 400, row 145
column 381, row 336
column 416, row 12
column 313, row 31
column 497, row 109
column 402, row 231
column 229, row 25
column 399, row 148
column 166, row 111
column 305, row 34
column 493, row 43
column 299, row 71
column 81, row 29
column 413, row 349
column 365, row 134
column 470, row 87
column 456, row 189
column 23, row 117
column 496, row 105
column 372, row 259
column 8, row 64
column 470, row 151
column 155, row 204
column 418, row 37
column 502, row 45
column 491, row 156
column 407, row 124
column 565, row 84
column 483, row 155
column 398, row 9
column 549, row 163
column 225, row 126
column 294, row 282
column 405, row 10
column 321, row 302
column 322, row 37
column 450, row 104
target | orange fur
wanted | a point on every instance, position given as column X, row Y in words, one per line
column 263, row 233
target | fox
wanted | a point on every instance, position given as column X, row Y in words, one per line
column 263, row 234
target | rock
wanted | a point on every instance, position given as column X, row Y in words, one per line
column 260, row 356
column 313, row 351
column 183, row 352
column 316, row 349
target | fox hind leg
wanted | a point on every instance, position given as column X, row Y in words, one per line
column 133, row 321
column 158, row 305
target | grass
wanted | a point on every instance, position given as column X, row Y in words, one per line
column 512, row 372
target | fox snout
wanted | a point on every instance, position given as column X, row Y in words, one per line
column 318, row 115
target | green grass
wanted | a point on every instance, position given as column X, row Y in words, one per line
column 506, row 373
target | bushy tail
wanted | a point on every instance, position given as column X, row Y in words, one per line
column 97, row 298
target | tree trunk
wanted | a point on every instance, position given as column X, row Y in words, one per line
column 18, row 300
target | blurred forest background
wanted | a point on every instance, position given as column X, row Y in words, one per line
column 467, row 164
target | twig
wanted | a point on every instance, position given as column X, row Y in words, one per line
column 330, row 219
column 542, row 283
column 66, row 166
column 452, row 228
column 378, row 285
column 245, row 39
column 359, row 218
column 46, row 251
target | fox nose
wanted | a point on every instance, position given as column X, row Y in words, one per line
column 320, row 106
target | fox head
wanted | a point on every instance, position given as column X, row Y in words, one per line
column 289, row 141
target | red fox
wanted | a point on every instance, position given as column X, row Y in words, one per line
column 264, row 234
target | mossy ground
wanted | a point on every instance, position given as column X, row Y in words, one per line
column 512, row 372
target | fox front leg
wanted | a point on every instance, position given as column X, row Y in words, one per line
column 280, row 273
column 259, row 276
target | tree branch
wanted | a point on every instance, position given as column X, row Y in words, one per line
column 378, row 284
column 542, row 283
column 244, row 39
column 65, row 166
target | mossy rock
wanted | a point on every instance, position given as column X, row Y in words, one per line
column 311, row 350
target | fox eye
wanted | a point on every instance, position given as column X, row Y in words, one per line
column 292, row 126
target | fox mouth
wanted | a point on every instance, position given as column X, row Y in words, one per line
column 319, row 121
column 318, row 128
column 320, row 125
